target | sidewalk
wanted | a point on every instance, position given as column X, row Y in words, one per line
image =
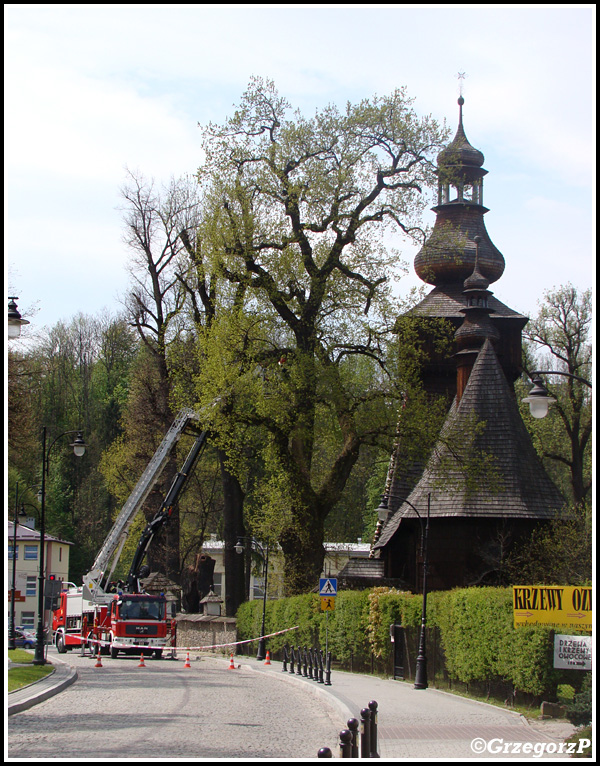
column 22, row 699
column 428, row 723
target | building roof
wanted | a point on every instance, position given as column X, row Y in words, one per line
column 484, row 429
column 27, row 534
column 448, row 301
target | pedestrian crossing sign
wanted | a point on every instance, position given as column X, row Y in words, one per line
column 328, row 586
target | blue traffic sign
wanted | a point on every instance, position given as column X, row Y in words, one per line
column 328, row 586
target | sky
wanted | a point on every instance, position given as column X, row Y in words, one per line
column 91, row 90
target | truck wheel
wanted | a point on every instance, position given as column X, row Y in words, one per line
column 113, row 653
column 60, row 644
column 158, row 654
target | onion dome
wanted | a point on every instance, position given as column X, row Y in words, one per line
column 460, row 151
column 448, row 255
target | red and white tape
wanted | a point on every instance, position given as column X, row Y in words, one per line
column 117, row 645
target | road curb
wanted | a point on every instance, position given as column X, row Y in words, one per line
column 62, row 677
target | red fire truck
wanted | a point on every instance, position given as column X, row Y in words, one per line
column 112, row 617
column 130, row 623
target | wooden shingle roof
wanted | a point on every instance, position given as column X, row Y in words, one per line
column 448, row 301
column 484, row 429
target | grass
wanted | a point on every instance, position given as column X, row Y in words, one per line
column 27, row 673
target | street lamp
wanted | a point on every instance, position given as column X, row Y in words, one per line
column 239, row 548
column 15, row 321
column 79, row 449
column 421, row 664
column 539, row 400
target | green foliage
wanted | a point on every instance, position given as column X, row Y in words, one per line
column 298, row 348
column 559, row 339
column 476, row 627
column 347, row 626
column 557, row 553
column 579, row 712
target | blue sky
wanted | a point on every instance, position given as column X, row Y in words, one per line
column 91, row 89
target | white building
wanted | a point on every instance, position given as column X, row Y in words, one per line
column 337, row 556
column 56, row 562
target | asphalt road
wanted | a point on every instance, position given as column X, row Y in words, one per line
column 167, row 711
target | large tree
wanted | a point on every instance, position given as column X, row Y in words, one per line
column 295, row 219
column 154, row 218
column 559, row 339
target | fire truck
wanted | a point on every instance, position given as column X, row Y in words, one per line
column 113, row 617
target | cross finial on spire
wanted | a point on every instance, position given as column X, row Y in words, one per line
column 460, row 77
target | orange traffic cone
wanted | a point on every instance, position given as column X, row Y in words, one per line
column 268, row 660
column 231, row 664
column 98, row 662
column 187, row 661
column 142, row 663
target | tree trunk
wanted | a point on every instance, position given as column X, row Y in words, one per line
column 233, row 513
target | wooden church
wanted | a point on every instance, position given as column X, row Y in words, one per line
column 474, row 519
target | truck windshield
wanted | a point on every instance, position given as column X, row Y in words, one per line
column 141, row 610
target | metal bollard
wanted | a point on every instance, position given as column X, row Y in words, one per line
column 373, row 732
column 353, row 727
column 345, row 743
column 324, row 752
column 328, row 670
column 365, row 733
column 285, row 659
column 305, row 663
column 310, row 663
column 292, row 660
column 299, row 658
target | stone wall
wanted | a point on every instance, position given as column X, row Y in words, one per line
column 199, row 630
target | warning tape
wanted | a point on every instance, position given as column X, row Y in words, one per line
column 117, row 645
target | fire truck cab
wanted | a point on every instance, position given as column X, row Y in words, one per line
column 138, row 619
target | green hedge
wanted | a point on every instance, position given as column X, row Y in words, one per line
column 475, row 624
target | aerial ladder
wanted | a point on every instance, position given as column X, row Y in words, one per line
column 96, row 581
column 119, row 617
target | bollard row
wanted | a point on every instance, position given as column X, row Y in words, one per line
column 359, row 740
column 310, row 663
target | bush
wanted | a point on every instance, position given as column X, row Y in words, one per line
column 476, row 628
column 579, row 712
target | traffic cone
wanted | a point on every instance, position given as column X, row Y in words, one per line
column 231, row 663
column 98, row 662
column 142, row 663
column 187, row 661
column 268, row 660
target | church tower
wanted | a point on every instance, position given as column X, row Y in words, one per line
column 459, row 249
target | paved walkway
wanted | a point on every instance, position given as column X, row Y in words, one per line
column 415, row 724
column 432, row 724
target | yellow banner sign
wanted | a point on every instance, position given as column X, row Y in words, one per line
column 556, row 606
column 327, row 603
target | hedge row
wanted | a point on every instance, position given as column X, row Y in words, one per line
column 475, row 624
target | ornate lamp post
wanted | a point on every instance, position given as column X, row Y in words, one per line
column 15, row 321
column 539, row 400
column 79, row 449
column 264, row 552
column 421, row 669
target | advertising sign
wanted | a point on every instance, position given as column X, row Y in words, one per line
column 557, row 606
column 573, row 652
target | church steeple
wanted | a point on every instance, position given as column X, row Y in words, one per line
column 448, row 256
column 477, row 327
